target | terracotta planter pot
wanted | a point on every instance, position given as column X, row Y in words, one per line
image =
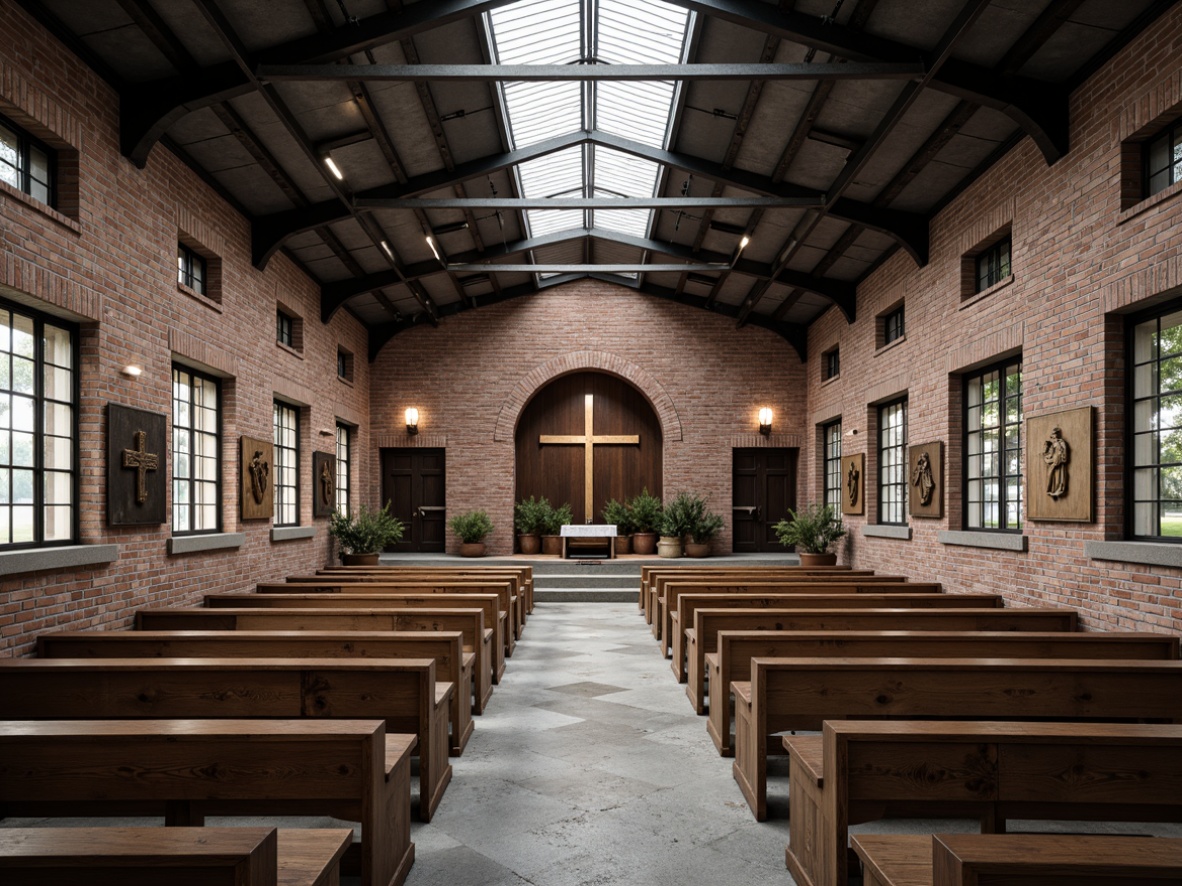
column 359, row 559
column 807, row 559
column 623, row 544
column 552, row 544
column 669, row 547
column 697, row 549
column 472, row 549
column 644, row 543
column 529, row 544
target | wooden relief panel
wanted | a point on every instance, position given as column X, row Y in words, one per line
column 257, row 466
column 137, row 466
column 925, row 476
column 324, row 484
column 1059, row 466
column 853, row 486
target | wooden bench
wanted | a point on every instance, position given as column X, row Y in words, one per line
column 123, row 856
column 649, row 574
column 687, row 604
column 864, row 771
column 800, row 693
column 506, row 605
column 731, row 660
column 402, row 692
column 523, row 575
column 1018, row 859
column 184, row 770
column 665, row 593
column 493, row 622
column 452, row 663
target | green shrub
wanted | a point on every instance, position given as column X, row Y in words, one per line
column 530, row 515
column 471, row 526
column 681, row 515
column 557, row 518
column 367, row 532
column 646, row 512
column 620, row 514
column 812, row 529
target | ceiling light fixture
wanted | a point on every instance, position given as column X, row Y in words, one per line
column 386, row 248
column 431, row 243
column 333, row 168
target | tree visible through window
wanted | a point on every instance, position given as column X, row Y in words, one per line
column 196, row 452
column 892, row 463
column 287, row 463
column 1157, row 426
column 993, row 447
column 26, row 163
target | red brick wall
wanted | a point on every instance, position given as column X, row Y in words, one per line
column 1078, row 259
column 471, row 376
column 112, row 262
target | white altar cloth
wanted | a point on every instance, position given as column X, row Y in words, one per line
column 589, row 530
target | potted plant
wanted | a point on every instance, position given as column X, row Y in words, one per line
column 556, row 518
column 619, row 514
column 529, row 519
column 363, row 536
column 706, row 525
column 677, row 520
column 646, row 517
column 812, row 530
column 471, row 527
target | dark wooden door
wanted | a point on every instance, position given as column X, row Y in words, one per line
column 413, row 481
column 764, row 483
column 558, row 470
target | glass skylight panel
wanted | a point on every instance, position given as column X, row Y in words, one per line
column 640, row 33
column 635, row 110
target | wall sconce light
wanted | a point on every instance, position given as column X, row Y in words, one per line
column 412, row 421
column 132, row 370
column 765, row 421
column 852, row 432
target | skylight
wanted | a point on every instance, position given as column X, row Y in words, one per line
column 574, row 32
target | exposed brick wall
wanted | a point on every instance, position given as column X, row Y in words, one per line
column 111, row 261
column 472, row 376
column 1078, row 258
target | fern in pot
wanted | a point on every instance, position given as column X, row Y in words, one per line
column 812, row 530
column 471, row 527
column 364, row 535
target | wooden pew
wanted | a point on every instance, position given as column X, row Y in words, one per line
column 470, row 622
column 1018, row 859
column 184, row 770
column 485, row 602
column 524, row 575
column 145, row 856
column 506, row 605
column 864, row 771
column 648, row 574
column 682, row 620
column 800, row 693
column 664, row 594
column 403, row 692
column 734, row 651
column 452, row 663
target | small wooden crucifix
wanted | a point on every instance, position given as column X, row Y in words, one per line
column 588, row 440
column 142, row 462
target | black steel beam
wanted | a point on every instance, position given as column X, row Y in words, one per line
column 429, row 203
column 584, row 73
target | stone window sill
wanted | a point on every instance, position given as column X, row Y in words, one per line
column 289, row 350
column 970, row 300
column 997, row 541
column 876, row 530
column 292, row 533
column 69, row 557
column 1149, row 203
column 195, row 544
column 198, row 297
column 1145, row 553
column 891, row 345
column 37, row 206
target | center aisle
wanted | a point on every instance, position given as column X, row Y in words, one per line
column 590, row 767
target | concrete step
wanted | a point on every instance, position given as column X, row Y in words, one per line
column 586, row 595
column 552, row 581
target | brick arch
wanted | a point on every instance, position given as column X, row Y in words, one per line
column 581, row 361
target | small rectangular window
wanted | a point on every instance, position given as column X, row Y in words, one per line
column 344, row 365
column 892, row 463
column 190, row 269
column 196, row 452
column 283, row 329
column 831, row 364
column 892, row 326
column 287, row 464
column 993, row 265
column 1163, row 159
column 993, row 447
column 26, row 163
column 831, row 435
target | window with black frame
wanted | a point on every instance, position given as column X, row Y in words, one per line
column 993, row 265
column 343, row 458
column 38, row 428
column 892, row 463
column 1155, row 346
column 892, row 326
column 1163, row 159
column 196, row 452
column 993, row 447
column 831, row 436
column 26, row 163
column 284, row 329
column 287, row 463
column 191, row 270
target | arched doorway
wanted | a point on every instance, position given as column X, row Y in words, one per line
column 572, row 407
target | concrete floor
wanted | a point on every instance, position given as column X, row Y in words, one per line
column 589, row 767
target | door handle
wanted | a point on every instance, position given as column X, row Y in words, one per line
column 750, row 510
column 423, row 509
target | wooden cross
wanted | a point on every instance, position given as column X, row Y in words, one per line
column 142, row 462
column 588, row 439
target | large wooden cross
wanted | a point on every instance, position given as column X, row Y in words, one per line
column 588, row 440
column 143, row 461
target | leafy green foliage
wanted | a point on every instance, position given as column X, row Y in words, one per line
column 367, row 532
column 811, row 529
column 557, row 518
column 531, row 515
column 646, row 512
column 620, row 514
column 471, row 526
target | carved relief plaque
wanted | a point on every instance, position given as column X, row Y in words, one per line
column 925, row 480
column 324, row 484
column 853, row 486
column 137, row 467
column 257, row 487
column 1059, row 466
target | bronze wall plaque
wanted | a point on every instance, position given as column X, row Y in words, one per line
column 1059, row 466
column 853, row 486
column 324, row 484
column 137, row 466
column 925, row 478
column 258, row 481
